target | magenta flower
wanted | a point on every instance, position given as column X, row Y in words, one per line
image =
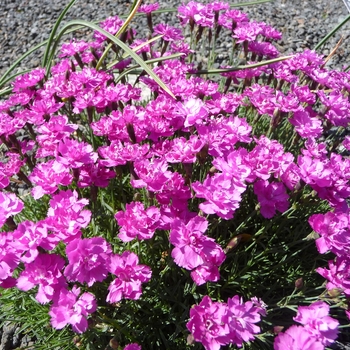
column 44, row 271
column 66, row 216
column 9, row 260
column 305, row 125
column 334, row 232
column 241, row 319
column 29, row 79
column 148, row 8
column 338, row 275
column 129, row 277
column 75, row 154
column 69, row 308
column 193, row 248
column 317, row 322
column 29, row 236
column 137, row 222
column 193, row 111
column 222, row 197
column 271, row 196
column 9, row 205
column 169, row 33
column 48, row 176
column 208, row 324
column 296, row 338
column 88, row 260
column 133, row 346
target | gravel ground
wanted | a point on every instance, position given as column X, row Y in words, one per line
column 25, row 23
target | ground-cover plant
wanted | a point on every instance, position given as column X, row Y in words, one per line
column 189, row 206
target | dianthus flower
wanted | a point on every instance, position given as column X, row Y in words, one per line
column 29, row 79
column 66, row 216
column 241, row 318
column 129, row 276
column 48, row 176
column 338, row 275
column 72, row 48
column 222, row 197
column 70, row 308
column 271, row 196
column 9, row 260
column 75, row 154
column 333, row 228
column 169, row 33
column 187, row 12
column 246, row 31
column 184, row 151
column 305, row 125
column 10, row 165
column 88, row 259
column 137, row 222
column 44, row 271
column 9, row 205
column 193, row 111
column 148, row 8
column 153, row 174
column 133, row 346
column 192, row 247
column 29, row 236
column 111, row 25
column 317, row 322
column 208, row 324
column 296, row 338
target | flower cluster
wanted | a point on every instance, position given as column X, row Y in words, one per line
column 318, row 330
column 216, row 323
column 120, row 178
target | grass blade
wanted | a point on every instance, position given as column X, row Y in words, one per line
column 331, row 33
column 54, row 30
column 118, row 42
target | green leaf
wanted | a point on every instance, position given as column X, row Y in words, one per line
column 53, row 32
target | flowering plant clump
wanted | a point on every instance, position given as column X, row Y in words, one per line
column 197, row 203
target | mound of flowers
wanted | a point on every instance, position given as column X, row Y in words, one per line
column 199, row 213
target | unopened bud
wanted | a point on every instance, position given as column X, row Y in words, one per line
column 113, row 343
column 299, row 283
column 190, row 339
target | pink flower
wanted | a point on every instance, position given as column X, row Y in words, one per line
column 338, row 275
column 29, row 236
column 305, row 125
column 272, row 196
column 193, row 249
column 169, row 33
column 133, row 346
column 222, row 197
column 75, row 154
column 208, row 324
column 129, row 276
column 44, row 271
column 136, row 222
column 69, row 308
column 9, row 260
column 9, row 205
column 66, row 216
column 29, row 79
column 317, row 322
column 88, row 259
column 296, row 338
column 193, row 111
column 48, row 176
column 241, row 319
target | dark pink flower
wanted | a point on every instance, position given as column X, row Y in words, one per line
column 208, row 324
column 88, row 260
column 9, row 205
column 129, row 277
column 69, row 308
column 296, row 338
column 271, row 196
column 317, row 322
column 44, row 271
column 137, row 222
